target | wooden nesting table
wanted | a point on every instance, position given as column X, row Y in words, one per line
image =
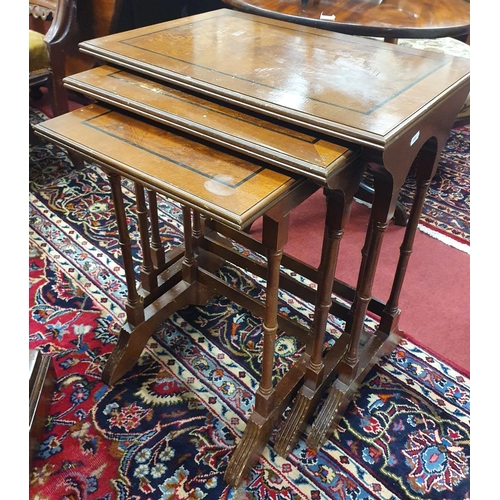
column 237, row 116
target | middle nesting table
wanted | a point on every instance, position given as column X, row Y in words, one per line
column 147, row 135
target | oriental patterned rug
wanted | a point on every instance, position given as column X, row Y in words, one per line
column 446, row 212
column 167, row 430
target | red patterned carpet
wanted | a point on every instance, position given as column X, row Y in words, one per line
column 166, row 431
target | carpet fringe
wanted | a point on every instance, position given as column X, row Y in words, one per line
column 445, row 239
column 363, row 202
column 463, row 247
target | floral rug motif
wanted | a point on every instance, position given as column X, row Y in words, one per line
column 169, row 427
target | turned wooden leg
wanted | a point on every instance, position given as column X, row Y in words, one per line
column 143, row 321
column 362, row 268
column 157, row 250
column 338, row 210
column 350, row 368
column 133, row 305
column 197, row 230
column 148, row 273
column 189, row 266
column 424, row 166
column 264, row 397
column 363, row 297
column 268, row 406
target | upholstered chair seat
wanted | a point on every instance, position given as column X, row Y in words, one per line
column 53, row 35
column 39, row 59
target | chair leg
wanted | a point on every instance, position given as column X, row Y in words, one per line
column 36, row 93
column 58, row 94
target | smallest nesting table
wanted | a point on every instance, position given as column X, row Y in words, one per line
column 221, row 193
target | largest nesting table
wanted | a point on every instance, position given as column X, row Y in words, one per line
column 226, row 101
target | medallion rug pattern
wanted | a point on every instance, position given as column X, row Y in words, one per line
column 168, row 428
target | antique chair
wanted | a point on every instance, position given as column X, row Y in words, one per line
column 53, row 34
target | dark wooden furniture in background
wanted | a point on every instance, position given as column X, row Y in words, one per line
column 97, row 18
column 41, row 389
column 386, row 106
column 388, row 19
column 139, row 13
column 57, row 20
